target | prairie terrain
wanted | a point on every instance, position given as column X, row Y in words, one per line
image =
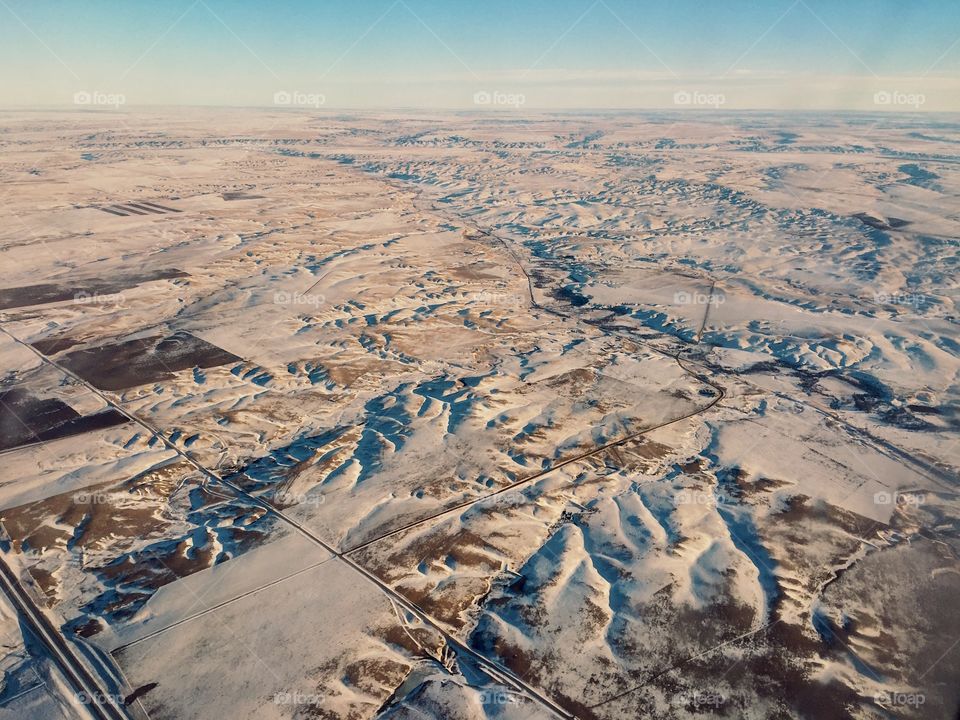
column 470, row 416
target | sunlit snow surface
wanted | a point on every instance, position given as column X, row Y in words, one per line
column 657, row 415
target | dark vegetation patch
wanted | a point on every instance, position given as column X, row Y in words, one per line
column 45, row 293
column 241, row 195
column 25, row 419
column 118, row 366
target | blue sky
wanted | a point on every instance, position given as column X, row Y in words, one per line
column 428, row 53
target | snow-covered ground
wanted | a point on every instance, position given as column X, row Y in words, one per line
column 425, row 416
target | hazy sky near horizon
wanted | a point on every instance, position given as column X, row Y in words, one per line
column 499, row 54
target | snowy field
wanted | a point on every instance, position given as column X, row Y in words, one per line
column 469, row 416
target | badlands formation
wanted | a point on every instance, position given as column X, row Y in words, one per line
column 472, row 416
